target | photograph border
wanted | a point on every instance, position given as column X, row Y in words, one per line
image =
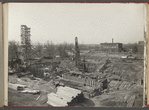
column 25, row 1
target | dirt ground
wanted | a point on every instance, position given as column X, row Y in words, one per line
column 22, row 99
column 116, row 99
column 129, row 71
column 16, row 98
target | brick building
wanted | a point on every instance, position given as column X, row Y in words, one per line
column 111, row 47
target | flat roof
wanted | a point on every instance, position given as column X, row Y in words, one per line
column 109, row 43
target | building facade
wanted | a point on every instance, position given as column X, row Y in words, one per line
column 111, row 47
column 140, row 47
column 141, row 42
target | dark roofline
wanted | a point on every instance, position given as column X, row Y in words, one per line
column 110, row 43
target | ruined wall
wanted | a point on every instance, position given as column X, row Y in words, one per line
column 87, row 81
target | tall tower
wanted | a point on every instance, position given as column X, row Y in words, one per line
column 25, row 42
column 25, row 35
column 77, row 54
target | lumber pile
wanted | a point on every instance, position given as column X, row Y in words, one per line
column 54, row 100
column 65, row 96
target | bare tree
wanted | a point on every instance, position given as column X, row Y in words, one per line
column 133, row 47
column 50, row 48
column 62, row 49
column 13, row 47
column 38, row 49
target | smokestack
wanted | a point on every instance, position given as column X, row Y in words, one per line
column 76, row 44
column 76, row 39
column 77, row 54
column 112, row 40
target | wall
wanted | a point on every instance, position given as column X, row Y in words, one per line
column 88, row 82
column 111, row 47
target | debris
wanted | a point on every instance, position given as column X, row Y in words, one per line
column 31, row 91
column 18, row 81
column 131, row 101
column 44, row 101
column 16, row 86
column 11, row 71
column 38, row 97
column 126, row 97
column 124, row 56
column 113, row 80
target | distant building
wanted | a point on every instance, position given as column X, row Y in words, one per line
column 140, row 47
column 141, row 42
column 111, row 47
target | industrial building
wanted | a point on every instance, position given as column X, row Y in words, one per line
column 111, row 47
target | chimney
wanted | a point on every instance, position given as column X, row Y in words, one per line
column 112, row 40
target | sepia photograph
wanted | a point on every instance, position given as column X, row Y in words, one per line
column 76, row 54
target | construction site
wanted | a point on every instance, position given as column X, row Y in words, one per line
column 106, row 77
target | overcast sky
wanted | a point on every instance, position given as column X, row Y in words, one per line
column 92, row 23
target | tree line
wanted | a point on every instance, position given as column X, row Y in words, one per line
column 51, row 49
column 40, row 50
column 135, row 48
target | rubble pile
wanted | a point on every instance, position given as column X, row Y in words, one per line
column 68, row 65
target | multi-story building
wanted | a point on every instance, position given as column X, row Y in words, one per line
column 140, row 47
column 141, row 42
column 111, row 47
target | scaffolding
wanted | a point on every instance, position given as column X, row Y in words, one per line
column 25, row 35
column 27, row 50
column 25, row 43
